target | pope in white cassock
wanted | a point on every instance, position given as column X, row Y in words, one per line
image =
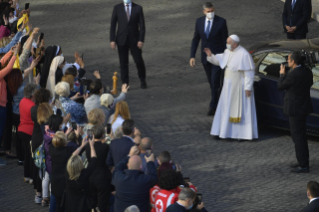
column 235, row 116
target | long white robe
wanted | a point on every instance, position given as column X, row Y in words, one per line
column 239, row 71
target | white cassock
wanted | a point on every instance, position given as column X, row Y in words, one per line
column 235, row 115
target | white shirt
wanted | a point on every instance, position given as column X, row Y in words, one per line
column 129, row 7
column 313, row 199
column 206, row 23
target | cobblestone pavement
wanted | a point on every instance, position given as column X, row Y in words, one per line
column 232, row 176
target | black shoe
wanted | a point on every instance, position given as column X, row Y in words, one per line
column 20, row 163
column 300, row 170
column 143, row 85
column 211, row 112
column 294, row 165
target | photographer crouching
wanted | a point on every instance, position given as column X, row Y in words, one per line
column 297, row 105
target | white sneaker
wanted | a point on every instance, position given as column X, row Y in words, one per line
column 26, row 179
column 30, row 181
column 38, row 200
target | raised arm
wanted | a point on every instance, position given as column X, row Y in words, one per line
column 13, row 42
column 9, row 67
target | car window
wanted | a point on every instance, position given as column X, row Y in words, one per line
column 257, row 57
column 270, row 66
column 315, row 72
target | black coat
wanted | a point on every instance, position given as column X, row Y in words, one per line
column 299, row 16
column 77, row 190
column 312, row 207
column 216, row 40
column 60, row 157
column 102, row 171
column 297, row 83
column 133, row 186
column 134, row 29
column 37, row 135
column 119, row 149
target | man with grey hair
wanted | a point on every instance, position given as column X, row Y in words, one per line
column 132, row 208
column 236, row 113
column 185, row 202
column 212, row 31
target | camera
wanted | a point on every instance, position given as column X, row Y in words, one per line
column 309, row 58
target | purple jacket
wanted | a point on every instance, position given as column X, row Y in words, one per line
column 47, row 142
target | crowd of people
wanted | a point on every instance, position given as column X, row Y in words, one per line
column 79, row 148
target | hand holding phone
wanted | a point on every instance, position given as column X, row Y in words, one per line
column 41, row 36
column 26, row 6
column 74, row 126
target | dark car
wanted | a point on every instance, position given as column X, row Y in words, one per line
column 268, row 57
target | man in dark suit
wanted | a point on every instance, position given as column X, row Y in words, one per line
column 119, row 148
column 130, row 36
column 295, row 17
column 313, row 195
column 297, row 105
column 212, row 31
column 131, row 184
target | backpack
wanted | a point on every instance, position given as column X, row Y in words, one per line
column 39, row 159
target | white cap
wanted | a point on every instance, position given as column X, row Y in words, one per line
column 235, row 38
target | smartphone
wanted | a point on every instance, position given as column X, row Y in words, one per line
column 148, row 152
column 108, row 128
column 26, row 6
column 199, row 196
column 90, row 134
column 85, row 89
column 41, row 36
column 186, row 179
column 74, row 126
column 82, row 55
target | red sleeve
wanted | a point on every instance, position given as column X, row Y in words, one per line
column 6, row 57
column 7, row 69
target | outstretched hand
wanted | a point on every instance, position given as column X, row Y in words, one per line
column 208, row 52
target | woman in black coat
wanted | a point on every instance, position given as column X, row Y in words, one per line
column 40, row 96
column 100, row 180
column 77, row 184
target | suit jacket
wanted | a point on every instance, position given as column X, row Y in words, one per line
column 298, row 16
column 297, row 83
column 216, row 40
column 119, row 149
column 312, row 207
column 133, row 186
column 134, row 29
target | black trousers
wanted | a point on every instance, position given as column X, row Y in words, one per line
column 124, row 60
column 25, row 140
column 19, row 148
column 101, row 189
column 37, row 182
column 215, row 79
column 294, row 36
column 7, row 133
column 299, row 137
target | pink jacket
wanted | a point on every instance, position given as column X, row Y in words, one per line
column 4, row 72
column 4, row 31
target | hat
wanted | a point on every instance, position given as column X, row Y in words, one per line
column 235, row 38
column 106, row 99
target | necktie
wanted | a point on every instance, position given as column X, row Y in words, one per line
column 207, row 29
column 293, row 4
column 128, row 12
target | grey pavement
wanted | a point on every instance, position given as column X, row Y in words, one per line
column 232, row 176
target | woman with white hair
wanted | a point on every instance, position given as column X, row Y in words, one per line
column 76, row 110
column 108, row 102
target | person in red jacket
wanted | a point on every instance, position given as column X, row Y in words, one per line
column 168, row 195
column 25, row 127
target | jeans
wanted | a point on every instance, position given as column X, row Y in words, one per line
column 45, row 185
